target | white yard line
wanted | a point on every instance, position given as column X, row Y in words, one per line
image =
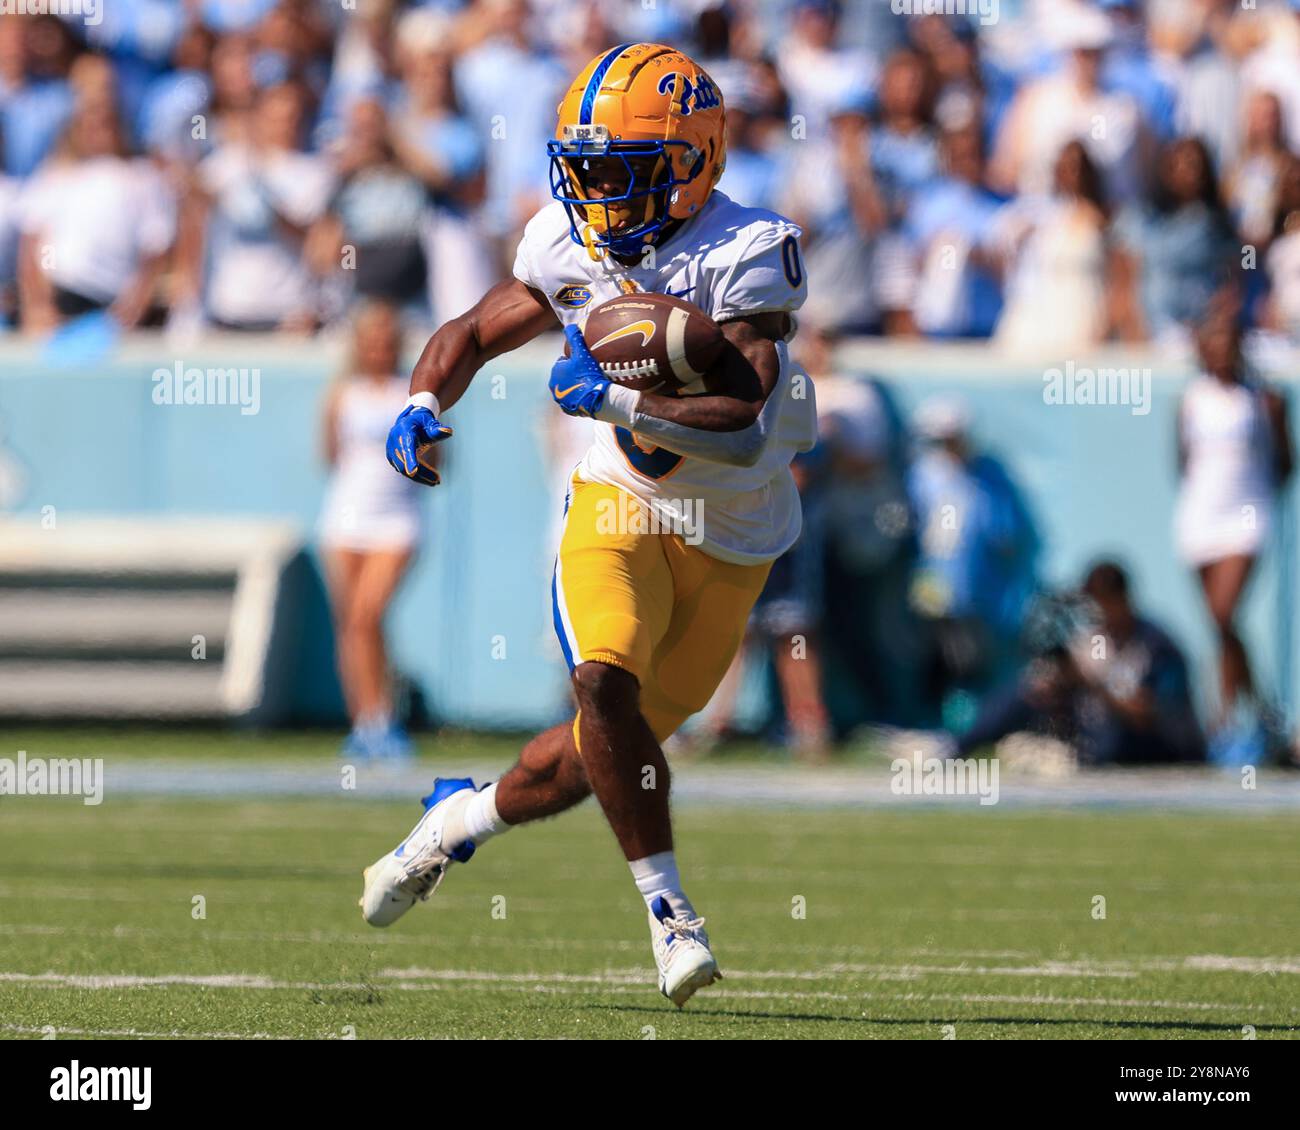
column 1081, row 967
column 612, row 983
column 137, row 1034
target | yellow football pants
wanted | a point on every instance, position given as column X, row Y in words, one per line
column 647, row 602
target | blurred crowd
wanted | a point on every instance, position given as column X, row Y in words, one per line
column 914, row 599
column 1070, row 172
column 1045, row 174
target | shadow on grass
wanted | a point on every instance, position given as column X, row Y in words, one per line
column 1233, row 1030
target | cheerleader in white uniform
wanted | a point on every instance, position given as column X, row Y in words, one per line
column 1234, row 452
column 369, row 526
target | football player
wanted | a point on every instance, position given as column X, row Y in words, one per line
column 648, row 621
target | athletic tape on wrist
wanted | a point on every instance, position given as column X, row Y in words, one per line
column 424, row 400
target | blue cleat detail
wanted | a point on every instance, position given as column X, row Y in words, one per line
column 664, row 913
column 443, row 787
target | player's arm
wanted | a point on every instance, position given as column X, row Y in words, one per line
column 510, row 314
column 728, row 424
column 739, row 384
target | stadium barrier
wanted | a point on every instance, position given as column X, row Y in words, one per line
column 472, row 626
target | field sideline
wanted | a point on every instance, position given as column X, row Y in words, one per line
column 904, row 921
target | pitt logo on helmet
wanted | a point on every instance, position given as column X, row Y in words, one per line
column 639, row 144
column 698, row 95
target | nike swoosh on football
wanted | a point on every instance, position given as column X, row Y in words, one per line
column 646, row 329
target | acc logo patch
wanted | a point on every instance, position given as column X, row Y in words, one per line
column 573, row 296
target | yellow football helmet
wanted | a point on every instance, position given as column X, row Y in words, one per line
column 641, row 141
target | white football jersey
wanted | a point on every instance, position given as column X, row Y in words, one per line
column 730, row 261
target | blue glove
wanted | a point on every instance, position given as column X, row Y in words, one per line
column 577, row 383
column 414, row 428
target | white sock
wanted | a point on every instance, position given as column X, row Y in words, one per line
column 656, row 875
column 482, row 821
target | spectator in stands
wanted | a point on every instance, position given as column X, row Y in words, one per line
column 870, row 654
column 235, row 91
column 260, row 197
column 373, row 228
column 1060, row 268
column 978, row 550
column 1272, row 62
column 1130, row 66
column 1179, row 249
column 1283, row 258
column 956, row 292
column 11, row 194
column 1065, row 106
column 369, row 526
column 1203, row 45
column 787, row 620
column 175, row 106
column 952, row 58
column 1117, row 690
column 96, row 225
column 1234, row 452
column 904, row 159
column 821, row 75
column 37, row 100
column 496, row 63
column 1250, row 186
column 785, row 626
column 295, row 41
column 365, row 58
column 904, row 153
column 843, row 216
column 439, row 145
column 758, row 159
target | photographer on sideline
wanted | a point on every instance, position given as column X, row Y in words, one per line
column 1116, row 689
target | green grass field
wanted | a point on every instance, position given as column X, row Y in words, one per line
column 874, row 924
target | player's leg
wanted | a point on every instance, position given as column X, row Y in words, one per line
column 459, row 818
column 624, row 764
column 712, row 604
column 549, row 778
column 605, row 572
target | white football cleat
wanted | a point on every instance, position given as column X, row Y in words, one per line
column 682, row 953
column 415, row 868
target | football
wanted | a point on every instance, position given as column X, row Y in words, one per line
column 653, row 342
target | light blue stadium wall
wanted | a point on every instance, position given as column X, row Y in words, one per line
column 1098, row 479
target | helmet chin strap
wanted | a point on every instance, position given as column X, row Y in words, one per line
column 595, row 250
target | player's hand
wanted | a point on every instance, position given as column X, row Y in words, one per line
column 577, row 382
column 414, row 428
